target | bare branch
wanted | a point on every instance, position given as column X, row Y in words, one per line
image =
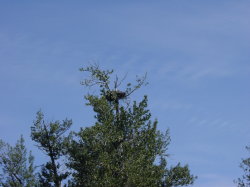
column 140, row 83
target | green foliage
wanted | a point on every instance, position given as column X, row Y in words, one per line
column 123, row 148
column 178, row 176
column 16, row 167
column 245, row 165
column 49, row 138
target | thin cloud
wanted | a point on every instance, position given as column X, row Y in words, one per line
column 210, row 123
column 193, row 71
column 170, row 105
column 214, row 180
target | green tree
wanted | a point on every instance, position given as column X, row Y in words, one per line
column 124, row 147
column 16, row 166
column 49, row 138
column 244, row 181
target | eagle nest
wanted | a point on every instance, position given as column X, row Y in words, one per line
column 115, row 95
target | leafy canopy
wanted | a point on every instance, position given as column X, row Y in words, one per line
column 49, row 138
column 244, row 181
column 123, row 147
column 16, row 166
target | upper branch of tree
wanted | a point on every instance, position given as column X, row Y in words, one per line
column 102, row 78
column 97, row 77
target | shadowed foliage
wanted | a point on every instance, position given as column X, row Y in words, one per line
column 244, row 181
column 49, row 138
column 16, row 166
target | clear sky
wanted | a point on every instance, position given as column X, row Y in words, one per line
column 196, row 54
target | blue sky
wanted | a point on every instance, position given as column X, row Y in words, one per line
column 196, row 54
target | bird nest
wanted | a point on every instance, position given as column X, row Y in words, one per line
column 115, row 95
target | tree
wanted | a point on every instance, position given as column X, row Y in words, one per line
column 16, row 167
column 245, row 165
column 49, row 139
column 124, row 147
